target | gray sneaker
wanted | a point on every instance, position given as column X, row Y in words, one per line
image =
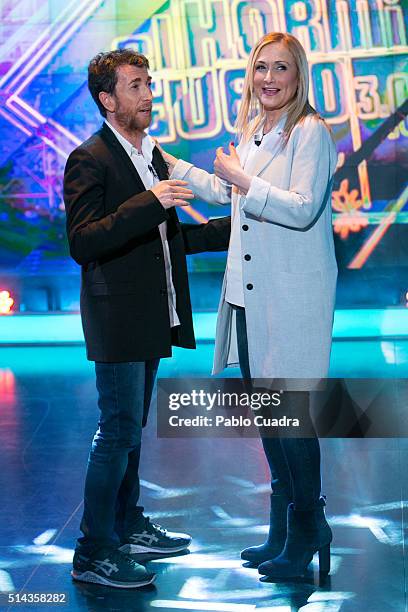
column 110, row 567
column 151, row 538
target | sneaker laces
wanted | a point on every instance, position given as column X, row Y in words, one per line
column 154, row 527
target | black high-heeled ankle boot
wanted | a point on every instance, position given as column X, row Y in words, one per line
column 276, row 536
column 308, row 533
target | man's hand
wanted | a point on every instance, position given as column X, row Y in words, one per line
column 172, row 193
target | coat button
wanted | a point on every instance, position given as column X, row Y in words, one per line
column 157, row 256
column 163, row 292
column 245, row 228
column 247, row 257
column 250, row 286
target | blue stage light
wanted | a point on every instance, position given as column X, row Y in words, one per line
column 62, row 329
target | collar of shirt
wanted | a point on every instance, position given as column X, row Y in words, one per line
column 148, row 144
column 277, row 129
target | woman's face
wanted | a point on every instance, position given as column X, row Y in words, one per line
column 275, row 76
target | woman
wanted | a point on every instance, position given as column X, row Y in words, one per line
column 277, row 302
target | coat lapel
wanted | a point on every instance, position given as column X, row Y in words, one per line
column 113, row 143
column 162, row 172
column 157, row 161
column 159, row 165
column 264, row 155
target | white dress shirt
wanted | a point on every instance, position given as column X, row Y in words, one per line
column 234, row 293
column 143, row 164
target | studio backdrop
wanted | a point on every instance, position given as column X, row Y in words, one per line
column 198, row 51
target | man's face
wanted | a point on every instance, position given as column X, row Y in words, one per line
column 132, row 98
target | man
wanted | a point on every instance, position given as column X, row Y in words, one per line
column 123, row 229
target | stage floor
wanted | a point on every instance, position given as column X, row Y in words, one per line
column 217, row 490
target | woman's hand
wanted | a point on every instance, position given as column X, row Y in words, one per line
column 228, row 168
column 170, row 160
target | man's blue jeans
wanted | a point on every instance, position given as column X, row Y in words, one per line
column 112, row 481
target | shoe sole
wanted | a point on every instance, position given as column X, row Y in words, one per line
column 133, row 549
column 259, row 560
column 96, row 579
column 251, row 564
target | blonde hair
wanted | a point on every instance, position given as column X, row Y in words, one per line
column 251, row 112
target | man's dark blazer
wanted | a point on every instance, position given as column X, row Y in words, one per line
column 112, row 227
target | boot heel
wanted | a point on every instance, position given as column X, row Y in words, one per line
column 324, row 559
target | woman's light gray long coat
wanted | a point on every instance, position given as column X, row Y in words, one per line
column 293, row 271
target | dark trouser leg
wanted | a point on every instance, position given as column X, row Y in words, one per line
column 128, row 512
column 281, row 479
column 121, row 389
column 280, row 474
column 302, row 454
column 294, row 462
column 242, row 341
column 303, row 457
column 130, row 488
